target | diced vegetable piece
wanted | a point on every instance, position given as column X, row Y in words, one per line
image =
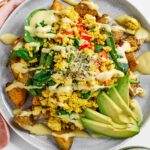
column 17, row 96
column 108, row 130
column 98, row 48
column 21, row 53
column 121, row 66
column 85, row 95
column 63, row 144
column 123, row 88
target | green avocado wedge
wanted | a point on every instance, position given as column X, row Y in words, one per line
column 117, row 99
column 108, row 130
column 123, row 88
column 136, row 109
column 96, row 116
column 110, row 109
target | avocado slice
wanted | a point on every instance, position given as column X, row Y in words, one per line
column 95, row 116
column 108, row 130
column 117, row 99
column 109, row 108
column 136, row 109
column 123, row 88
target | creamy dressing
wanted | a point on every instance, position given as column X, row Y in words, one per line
column 121, row 52
column 117, row 28
column 49, row 17
column 61, row 89
column 33, row 44
column 144, row 63
column 107, row 27
column 8, row 38
column 46, row 35
column 67, row 20
column 143, row 34
column 22, row 68
column 65, row 136
column 107, row 75
column 18, row 45
column 17, row 84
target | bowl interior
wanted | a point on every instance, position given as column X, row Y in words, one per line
column 15, row 25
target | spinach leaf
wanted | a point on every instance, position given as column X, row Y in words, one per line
column 33, row 92
column 85, row 95
column 76, row 43
column 98, row 48
column 42, row 76
column 51, row 83
column 113, row 53
column 47, row 60
column 22, row 53
column 63, row 112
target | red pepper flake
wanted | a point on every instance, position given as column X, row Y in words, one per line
column 87, row 45
column 67, row 32
column 58, row 39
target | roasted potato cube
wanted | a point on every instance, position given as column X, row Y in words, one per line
column 117, row 35
column 63, row 144
column 23, row 121
column 24, row 77
column 135, row 43
column 83, row 9
column 56, row 5
column 17, row 96
column 105, row 19
column 28, row 124
column 136, row 90
column 132, row 61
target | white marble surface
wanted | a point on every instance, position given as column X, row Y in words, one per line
column 142, row 139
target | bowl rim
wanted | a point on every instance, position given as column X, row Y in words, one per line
column 126, row 2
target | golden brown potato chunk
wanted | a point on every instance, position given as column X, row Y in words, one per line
column 56, row 5
column 135, row 44
column 132, row 61
column 117, row 36
column 17, row 96
column 23, row 121
column 24, row 78
column 83, row 9
column 62, row 143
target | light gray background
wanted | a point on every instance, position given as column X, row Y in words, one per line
column 16, row 143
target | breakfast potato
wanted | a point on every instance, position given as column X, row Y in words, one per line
column 28, row 124
column 56, row 5
column 17, row 96
column 117, row 35
column 63, row 144
column 135, row 43
column 83, row 9
column 132, row 61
